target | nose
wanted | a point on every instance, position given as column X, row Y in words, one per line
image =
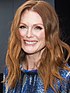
column 29, row 33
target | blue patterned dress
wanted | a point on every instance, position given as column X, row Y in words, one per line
column 32, row 83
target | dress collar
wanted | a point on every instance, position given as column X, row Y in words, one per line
column 34, row 71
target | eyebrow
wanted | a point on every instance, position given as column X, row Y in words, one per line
column 33, row 24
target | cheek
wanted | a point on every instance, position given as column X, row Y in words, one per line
column 22, row 33
column 41, row 36
column 22, row 43
column 21, row 36
column 42, row 39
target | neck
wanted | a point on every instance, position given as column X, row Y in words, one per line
column 33, row 60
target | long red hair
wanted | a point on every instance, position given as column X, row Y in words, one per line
column 52, row 58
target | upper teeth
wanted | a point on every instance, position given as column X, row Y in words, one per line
column 27, row 42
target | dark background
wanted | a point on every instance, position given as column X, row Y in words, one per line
column 7, row 11
column 63, row 10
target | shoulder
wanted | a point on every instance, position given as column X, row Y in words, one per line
column 65, row 73
column 65, row 85
column 5, row 73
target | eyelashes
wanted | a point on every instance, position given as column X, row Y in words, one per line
column 22, row 27
column 38, row 28
column 34, row 28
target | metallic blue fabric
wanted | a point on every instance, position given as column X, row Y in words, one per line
column 32, row 83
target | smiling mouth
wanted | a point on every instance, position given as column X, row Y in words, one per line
column 30, row 42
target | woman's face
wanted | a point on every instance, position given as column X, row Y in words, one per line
column 32, row 32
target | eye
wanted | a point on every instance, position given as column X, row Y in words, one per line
column 22, row 27
column 38, row 28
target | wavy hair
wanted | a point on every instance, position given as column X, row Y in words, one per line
column 53, row 58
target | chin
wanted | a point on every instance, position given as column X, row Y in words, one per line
column 31, row 51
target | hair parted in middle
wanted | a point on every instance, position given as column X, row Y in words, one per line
column 53, row 56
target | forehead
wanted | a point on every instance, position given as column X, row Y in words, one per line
column 31, row 16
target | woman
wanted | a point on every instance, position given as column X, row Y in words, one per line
column 35, row 57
